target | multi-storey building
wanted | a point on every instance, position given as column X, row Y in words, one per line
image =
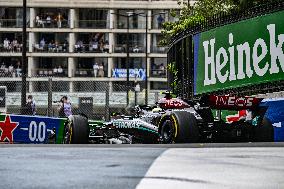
column 82, row 44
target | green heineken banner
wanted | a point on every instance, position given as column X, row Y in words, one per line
column 240, row 54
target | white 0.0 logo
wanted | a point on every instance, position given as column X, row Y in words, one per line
column 37, row 132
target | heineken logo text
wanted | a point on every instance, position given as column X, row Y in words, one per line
column 221, row 66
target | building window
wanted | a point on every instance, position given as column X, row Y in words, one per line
column 51, row 42
column 11, row 42
column 56, row 67
column 156, row 47
column 158, row 67
column 92, row 42
column 134, row 63
column 91, row 67
column 10, row 67
column 12, row 17
column 161, row 16
column 135, row 21
column 52, row 18
column 136, row 43
column 93, row 18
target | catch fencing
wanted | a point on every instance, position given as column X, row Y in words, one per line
column 96, row 99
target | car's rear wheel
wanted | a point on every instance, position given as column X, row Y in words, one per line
column 178, row 127
column 76, row 130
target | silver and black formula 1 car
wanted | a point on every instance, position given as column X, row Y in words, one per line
column 174, row 120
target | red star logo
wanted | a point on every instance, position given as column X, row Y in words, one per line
column 7, row 127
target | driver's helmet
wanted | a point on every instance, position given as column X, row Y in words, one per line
column 168, row 94
column 157, row 110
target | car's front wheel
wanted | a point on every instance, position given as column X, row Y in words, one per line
column 76, row 130
column 178, row 127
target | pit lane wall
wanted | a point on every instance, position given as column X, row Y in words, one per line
column 239, row 54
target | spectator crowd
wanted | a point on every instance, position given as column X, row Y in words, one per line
column 10, row 45
column 51, row 46
column 98, row 70
column 48, row 20
column 95, row 44
column 57, row 71
column 10, row 70
column 92, row 46
column 158, row 70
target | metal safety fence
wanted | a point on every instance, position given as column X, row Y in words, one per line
column 96, row 99
column 181, row 45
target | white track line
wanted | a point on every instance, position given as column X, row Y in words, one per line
column 216, row 168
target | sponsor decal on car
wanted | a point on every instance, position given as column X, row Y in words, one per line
column 126, row 124
column 233, row 102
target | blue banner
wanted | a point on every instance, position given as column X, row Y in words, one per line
column 27, row 129
column 133, row 73
column 275, row 114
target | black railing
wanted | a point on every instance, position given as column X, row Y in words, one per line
column 98, row 24
column 181, row 53
column 228, row 18
column 45, row 23
column 51, row 48
column 121, row 48
column 91, row 48
column 42, row 72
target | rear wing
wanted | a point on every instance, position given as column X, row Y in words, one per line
column 231, row 102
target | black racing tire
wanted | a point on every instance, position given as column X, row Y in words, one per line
column 77, row 130
column 179, row 127
column 263, row 132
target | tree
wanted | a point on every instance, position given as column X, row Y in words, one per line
column 192, row 14
column 189, row 15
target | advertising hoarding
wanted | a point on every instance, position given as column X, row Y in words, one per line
column 240, row 54
column 133, row 73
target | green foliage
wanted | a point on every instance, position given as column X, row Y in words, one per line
column 173, row 70
column 189, row 15
column 244, row 4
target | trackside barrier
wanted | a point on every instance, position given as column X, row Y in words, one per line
column 107, row 96
column 275, row 114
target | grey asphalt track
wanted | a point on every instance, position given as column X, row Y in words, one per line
column 125, row 166
column 74, row 167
